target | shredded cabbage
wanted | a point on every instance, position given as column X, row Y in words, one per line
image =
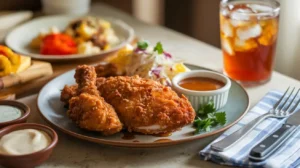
column 148, row 63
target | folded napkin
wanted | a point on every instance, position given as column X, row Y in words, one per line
column 288, row 156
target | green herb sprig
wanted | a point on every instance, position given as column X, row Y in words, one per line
column 159, row 48
column 142, row 45
column 208, row 117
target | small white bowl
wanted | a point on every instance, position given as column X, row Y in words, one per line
column 198, row 98
column 66, row 6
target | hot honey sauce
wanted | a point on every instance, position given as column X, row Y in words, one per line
column 201, row 84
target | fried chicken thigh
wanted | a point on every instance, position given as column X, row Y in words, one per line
column 86, row 108
column 146, row 106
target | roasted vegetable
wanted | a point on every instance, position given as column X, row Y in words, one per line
column 14, row 59
column 58, row 44
column 5, row 66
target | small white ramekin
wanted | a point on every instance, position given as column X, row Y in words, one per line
column 198, row 98
column 66, row 6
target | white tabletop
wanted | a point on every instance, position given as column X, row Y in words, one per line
column 71, row 152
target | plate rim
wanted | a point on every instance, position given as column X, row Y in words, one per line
column 141, row 144
column 73, row 56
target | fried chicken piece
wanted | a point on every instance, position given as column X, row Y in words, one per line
column 106, row 70
column 146, row 106
column 102, row 70
column 88, row 110
column 67, row 93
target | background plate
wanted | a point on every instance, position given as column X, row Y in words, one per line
column 19, row 38
column 53, row 112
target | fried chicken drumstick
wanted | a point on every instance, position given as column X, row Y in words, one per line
column 86, row 108
column 102, row 70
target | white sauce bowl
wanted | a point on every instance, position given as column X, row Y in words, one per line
column 198, row 98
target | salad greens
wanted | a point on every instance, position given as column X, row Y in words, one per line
column 159, row 48
column 208, row 117
column 142, row 45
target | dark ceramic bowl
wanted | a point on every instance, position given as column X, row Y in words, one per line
column 24, row 108
column 32, row 159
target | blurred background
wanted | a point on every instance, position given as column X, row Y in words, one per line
column 199, row 19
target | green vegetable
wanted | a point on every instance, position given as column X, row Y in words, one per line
column 208, row 117
column 159, row 48
column 221, row 117
column 204, row 110
column 142, row 45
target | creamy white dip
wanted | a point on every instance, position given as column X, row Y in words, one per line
column 24, row 141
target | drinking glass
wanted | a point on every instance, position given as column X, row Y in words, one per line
column 248, row 30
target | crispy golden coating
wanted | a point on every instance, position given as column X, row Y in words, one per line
column 106, row 70
column 146, row 106
column 88, row 110
column 85, row 77
column 67, row 93
column 102, row 70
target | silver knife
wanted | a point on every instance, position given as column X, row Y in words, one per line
column 272, row 143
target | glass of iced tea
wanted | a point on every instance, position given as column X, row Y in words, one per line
column 248, row 31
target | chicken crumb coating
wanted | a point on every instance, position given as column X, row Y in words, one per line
column 88, row 110
column 146, row 106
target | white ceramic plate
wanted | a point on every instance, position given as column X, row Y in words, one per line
column 53, row 111
column 19, row 38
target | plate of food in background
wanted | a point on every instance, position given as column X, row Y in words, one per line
column 65, row 37
column 131, row 101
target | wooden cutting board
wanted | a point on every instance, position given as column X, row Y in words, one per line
column 14, row 84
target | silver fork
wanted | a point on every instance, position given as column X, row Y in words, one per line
column 281, row 109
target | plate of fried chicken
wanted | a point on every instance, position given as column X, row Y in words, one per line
column 102, row 106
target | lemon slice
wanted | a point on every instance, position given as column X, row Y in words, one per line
column 123, row 57
column 176, row 69
column 180, row 67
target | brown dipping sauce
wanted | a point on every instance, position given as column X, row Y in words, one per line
column 128, row 136
column 163, row 134
column 201, row 84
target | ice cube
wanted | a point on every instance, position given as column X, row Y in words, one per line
column 225, row 12
column 227, row 29
column 260, row 8
column 240, row 17
column 245, row 33
column 244, row 45
column 226, row 45
column 239, row 23
column 239, row 42
column 241, row 14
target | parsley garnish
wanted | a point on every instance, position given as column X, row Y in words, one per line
column 158, row 48
column 207, row 117
column 142, row 45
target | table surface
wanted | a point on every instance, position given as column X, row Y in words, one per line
column 71, row 152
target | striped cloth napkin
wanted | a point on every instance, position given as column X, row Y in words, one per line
column 288, row 156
